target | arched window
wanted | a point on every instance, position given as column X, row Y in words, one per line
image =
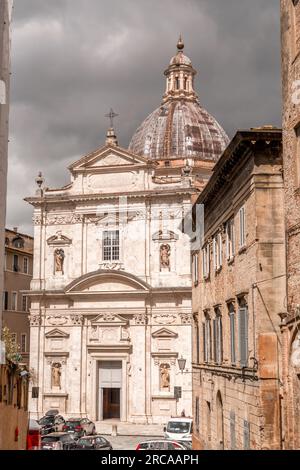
column 177, row 83
column 185, row 83
column 18, row 242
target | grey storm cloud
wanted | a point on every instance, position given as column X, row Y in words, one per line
column 73, row 59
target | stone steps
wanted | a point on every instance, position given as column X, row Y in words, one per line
column 129, row 429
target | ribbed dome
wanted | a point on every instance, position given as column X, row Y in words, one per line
column 180, row 129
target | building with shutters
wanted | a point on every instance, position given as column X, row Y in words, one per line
column 290, row 37
column 239, row 291
column 111, row 290
column 17, row 277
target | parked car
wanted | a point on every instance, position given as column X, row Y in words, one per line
column 34, row 435
column 79, row 427
column 93, row 443
column 58, row 441
column 51, row 423
column 162, row 444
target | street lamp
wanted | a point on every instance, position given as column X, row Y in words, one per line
column 181, row 364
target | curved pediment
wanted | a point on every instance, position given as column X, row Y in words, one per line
column 105, row 280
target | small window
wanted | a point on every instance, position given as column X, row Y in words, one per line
column 5, row 300
column 195, row 263
column 230, row 242
column 207, row 350
column 16, row 263
column 197, row 414
column 24, row 303
column 197, row 341
column 18, row 242
column 111, row 245
column 167, row 163
column 177, row 83
column 232, row 333
column 25, row 265
column 14, row 301
column 243, row 333
column 242, row 227
column 217, row 251
column 206, row 261
column 6, row 241
column 185, row 83
column 23, row 343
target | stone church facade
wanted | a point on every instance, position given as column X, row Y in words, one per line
column 111, row 291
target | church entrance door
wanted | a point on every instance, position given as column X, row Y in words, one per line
column 110, row 389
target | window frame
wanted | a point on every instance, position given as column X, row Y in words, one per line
column 232, row 326
column 14, row 301
column 108, row 249
column 242, row 226
column 195, row 266
column 23, row 350
column 15, row 265
column 26, row 263
column 24, row 297
column 243, row 341
column 206, row 261
column 230, row 239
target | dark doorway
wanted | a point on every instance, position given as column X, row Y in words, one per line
column 111, row 403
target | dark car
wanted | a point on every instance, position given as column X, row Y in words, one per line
column 162, row 444
column 58, row 441
column 93, row 443
column 79, row 427
column 51, row 424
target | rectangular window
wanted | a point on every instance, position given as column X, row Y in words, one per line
column 23, row 343
column 14, row 301
column 197, row 341
column 24, row 303
column 217, row 251
column 242, row 227
column 230, row 248
column 232, row 334
column 243, row 335
column 197, row 414
column 25, row 265
column 16, row 263
column 204, row 345
column 206, row 261
column 111, row 245
column 195, row 269
column 5, row 300
column 218, row 338
column 208, row 341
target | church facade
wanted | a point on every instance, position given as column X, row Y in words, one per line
column 110, row 297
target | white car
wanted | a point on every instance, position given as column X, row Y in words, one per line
column 179, row 429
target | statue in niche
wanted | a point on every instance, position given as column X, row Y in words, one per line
column 56, row 375
column 165, row 251
column 165, row 377
column 59, row 256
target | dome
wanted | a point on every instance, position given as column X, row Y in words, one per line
column 180, row 59
column 179, row 129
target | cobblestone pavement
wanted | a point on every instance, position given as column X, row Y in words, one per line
column 128, row 442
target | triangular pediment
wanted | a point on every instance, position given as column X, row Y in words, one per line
column 59, row 239
column 56, row 333
column 109, row 318
column 164, row 333
column 108, row 157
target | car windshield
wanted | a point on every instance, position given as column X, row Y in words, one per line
column 73, row 424
column 178, row 427
column 86, row 442
column 46, row 420
column 50, row 439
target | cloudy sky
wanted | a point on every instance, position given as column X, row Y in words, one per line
column 74, row 59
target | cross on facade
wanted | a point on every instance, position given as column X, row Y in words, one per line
column 111, row 116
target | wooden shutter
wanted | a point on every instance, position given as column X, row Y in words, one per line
column 232, row 430
column 220, row 250
column 243, row 335
column 205, row 355
column 214, row 340
column 232, row 338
